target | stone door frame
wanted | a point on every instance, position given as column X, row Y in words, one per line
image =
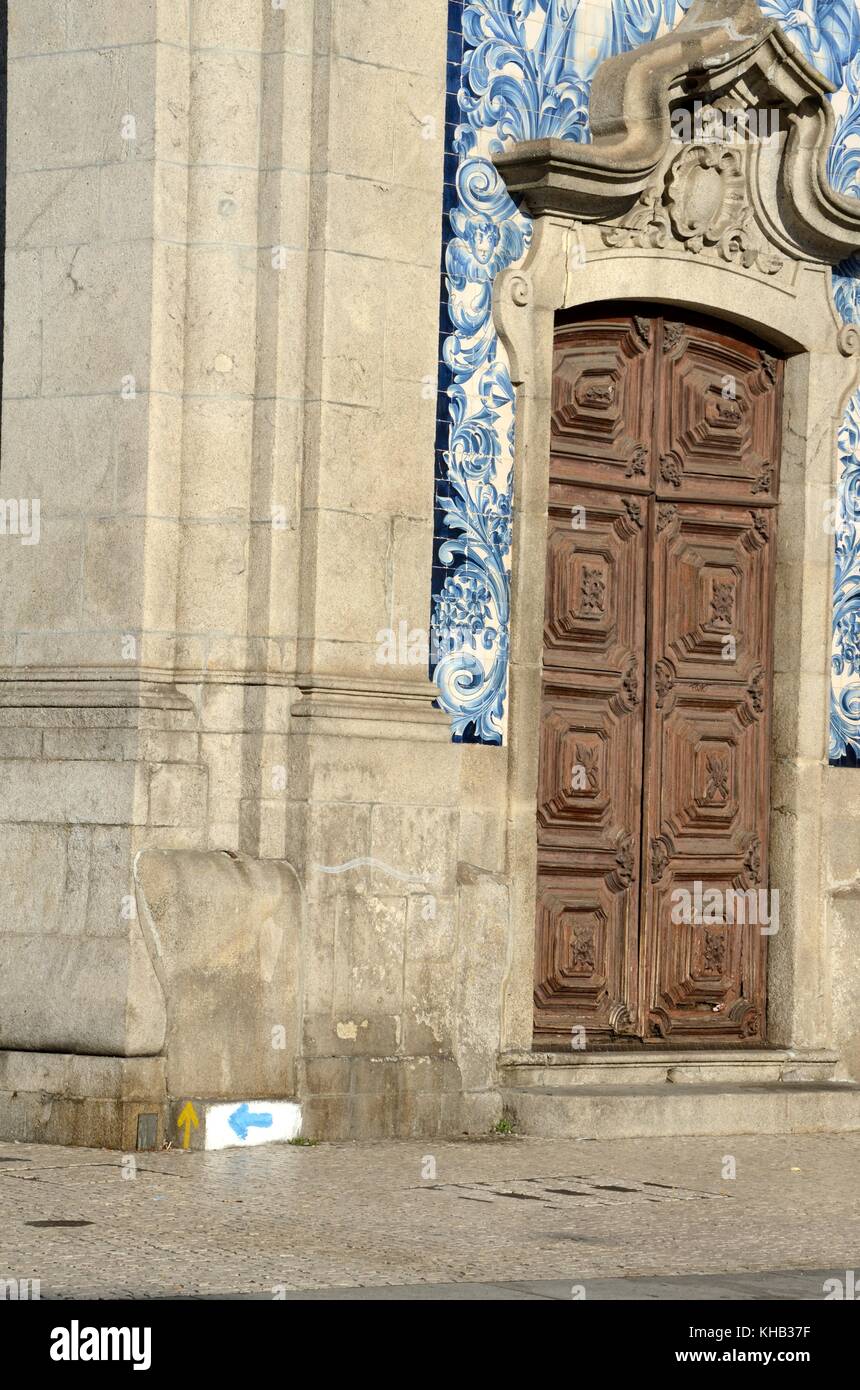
column 620, row 219
column 819, row 380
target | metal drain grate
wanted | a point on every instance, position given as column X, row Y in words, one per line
column 565, row 1193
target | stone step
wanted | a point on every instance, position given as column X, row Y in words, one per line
column 679, row 1109
column 749, row 1067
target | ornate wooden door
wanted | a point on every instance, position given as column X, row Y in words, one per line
column 653, row 789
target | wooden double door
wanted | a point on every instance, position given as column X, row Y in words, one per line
column 655, row 722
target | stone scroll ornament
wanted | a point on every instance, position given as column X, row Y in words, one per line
column 523, row 71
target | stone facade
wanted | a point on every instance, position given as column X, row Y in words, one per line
column 243, row 855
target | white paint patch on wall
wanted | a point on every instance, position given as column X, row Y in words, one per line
column 241, row 1124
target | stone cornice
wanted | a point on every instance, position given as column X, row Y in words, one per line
column 369, row 707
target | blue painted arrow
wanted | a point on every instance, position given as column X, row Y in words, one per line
column 243, row 1119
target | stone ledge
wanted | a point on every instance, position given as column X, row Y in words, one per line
column 81, row 1076
column 367, row 708
column 20, row 691
column 750, row 1067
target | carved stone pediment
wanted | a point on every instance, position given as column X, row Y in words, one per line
column 701, row 202
column 706, row 193
column 709, row 197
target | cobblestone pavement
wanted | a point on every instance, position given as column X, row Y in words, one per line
column 539, row 1215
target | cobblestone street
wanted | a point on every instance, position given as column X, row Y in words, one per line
column 542, row 1215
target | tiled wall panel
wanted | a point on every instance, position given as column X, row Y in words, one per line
column 519, row 70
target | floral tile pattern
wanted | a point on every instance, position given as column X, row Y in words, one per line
column 519, row 70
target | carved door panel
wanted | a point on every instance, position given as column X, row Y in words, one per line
column 655, row 723
column 590, row 790
column 602, row 403
column 707, row 784
column 717, row 427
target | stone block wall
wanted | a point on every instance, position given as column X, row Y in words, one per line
column 222, row 335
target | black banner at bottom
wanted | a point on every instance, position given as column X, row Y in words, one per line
column 252, row 1337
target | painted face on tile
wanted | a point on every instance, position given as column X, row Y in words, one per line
column 484, row 238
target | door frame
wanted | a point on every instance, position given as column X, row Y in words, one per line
column 623, row 217
column 569, row 267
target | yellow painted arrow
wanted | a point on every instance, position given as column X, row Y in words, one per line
column 188, row 1117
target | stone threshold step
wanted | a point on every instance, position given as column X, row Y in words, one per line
column 679, row 1110
column 656, row 1068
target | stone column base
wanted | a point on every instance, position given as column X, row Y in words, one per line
column 94, row 1102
